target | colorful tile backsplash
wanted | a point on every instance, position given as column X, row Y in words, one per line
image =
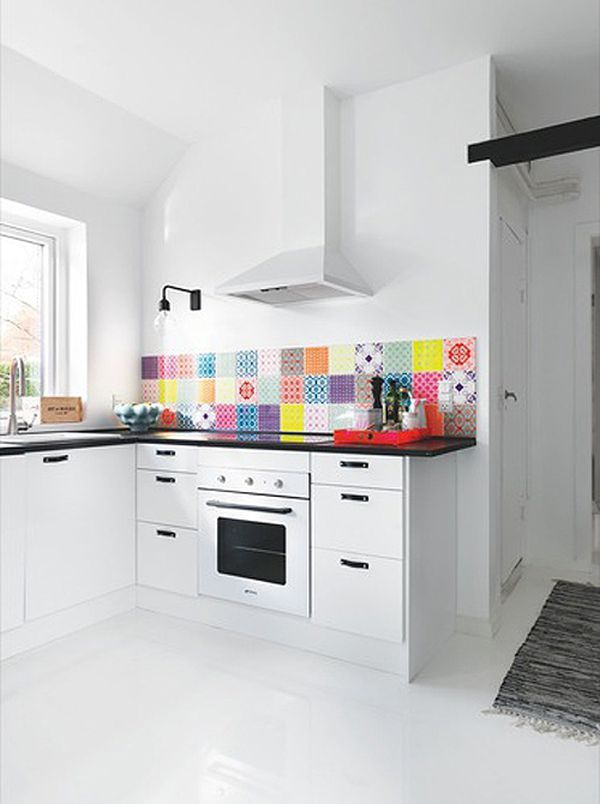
column 312, row 389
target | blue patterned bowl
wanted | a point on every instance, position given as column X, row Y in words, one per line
column 139, row 416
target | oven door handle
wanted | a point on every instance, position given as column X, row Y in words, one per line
column 263, row 509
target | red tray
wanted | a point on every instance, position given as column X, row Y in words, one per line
column 391, row 437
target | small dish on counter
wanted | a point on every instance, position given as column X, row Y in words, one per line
column 138, row 416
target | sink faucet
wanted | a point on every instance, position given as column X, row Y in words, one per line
column 16, row 388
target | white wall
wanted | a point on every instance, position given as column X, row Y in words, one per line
column 416, row 224
column 556, row 505
column 113, row 249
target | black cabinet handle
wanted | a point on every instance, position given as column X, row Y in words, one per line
column 160, row 479
column 168, row 453
column 169, row 534
column 355, row 497
column 345, row 562
column 55, row 458
column 354, row 464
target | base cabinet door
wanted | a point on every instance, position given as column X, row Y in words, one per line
column 167, row 558
column 361, row 594
column 81, row 526
column 13, row 510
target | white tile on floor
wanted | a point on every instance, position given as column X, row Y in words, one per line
column 146, row 709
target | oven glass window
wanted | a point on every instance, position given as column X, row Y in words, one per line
column 254, row 550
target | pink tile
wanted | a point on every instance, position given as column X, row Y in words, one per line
column 316, row 418
column 225, row 417
column 459, row 354
column 425, row 385
column 246, row 391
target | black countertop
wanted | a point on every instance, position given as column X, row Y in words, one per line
column 429, row 448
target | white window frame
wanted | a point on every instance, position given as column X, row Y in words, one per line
column 53, row 369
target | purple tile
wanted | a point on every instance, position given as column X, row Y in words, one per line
column 150, row 367
column 268, row 417
column 341, row 388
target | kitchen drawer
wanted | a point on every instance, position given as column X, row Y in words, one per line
column 370, row 471
column 169, row 457
column 167, row 497
column 358, row 520
column 167, row 558
column 358, row 593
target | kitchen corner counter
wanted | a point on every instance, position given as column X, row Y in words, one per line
column 428, row 448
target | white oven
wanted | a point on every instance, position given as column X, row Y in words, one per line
column 254, row 537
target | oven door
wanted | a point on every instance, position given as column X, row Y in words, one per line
column 255, row 549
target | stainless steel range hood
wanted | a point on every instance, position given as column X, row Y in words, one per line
column 310, row 264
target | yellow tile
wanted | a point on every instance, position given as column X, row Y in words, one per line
column 206, row 391
column 162, row 391
column 342, row 359
column 428, row 355
column 225, row 390
column 170, row 391
column 292, row 418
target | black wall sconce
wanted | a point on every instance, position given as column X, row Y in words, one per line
column 165, row 321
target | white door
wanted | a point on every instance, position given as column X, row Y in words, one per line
column 513, row 266
column 13, row 510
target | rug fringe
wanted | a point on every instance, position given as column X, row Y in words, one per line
column 542, row 726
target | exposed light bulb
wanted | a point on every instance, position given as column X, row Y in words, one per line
column 165, row 323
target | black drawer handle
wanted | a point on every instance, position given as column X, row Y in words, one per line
column 354, row 464
column 169, row 534
column 160, row 479
column 167, row 453
column 355, row 497
column 345, row 562
column 55, row 458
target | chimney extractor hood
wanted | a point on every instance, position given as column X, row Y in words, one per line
column 310, row 265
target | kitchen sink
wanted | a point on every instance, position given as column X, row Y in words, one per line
column 44, row 438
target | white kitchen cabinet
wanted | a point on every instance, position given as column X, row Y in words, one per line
column 362, row 594
column 167, row 497
column 167, row 558
column 357, row 469
column 167, row 457
column 81, row 526
column 13, row 512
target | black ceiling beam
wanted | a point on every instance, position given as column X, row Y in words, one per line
column 578, row 135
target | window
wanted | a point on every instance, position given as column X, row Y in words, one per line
column 28, row 311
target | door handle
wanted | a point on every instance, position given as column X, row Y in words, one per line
column 55, row 458
column 168, row 452
column 354, row 465
column 510, row 395
column 169, row 534
column 355, row 497
column 263, row 509
column 160, row 479
column 345, row 562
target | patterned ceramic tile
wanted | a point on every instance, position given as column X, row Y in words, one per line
column 464, row 387
column 369, row 358
column 292, row 390
column 341, row 388
column 225, row 390
column 363, row 393
column 268, row 390
column 246, row 391
column 150, row 367
column 316, row 389
column 269, row 362
column 150, row 390
column 292, row 361
column 246, row 363
column 268, row 418
column 397, row 357
column 167, row 367
column 225, row 364
column 206, row 391
column 316, row 360
column 169, row 391
column 459, row 354
column 187, row 391
column 225, row 417
column 206, row 364
column 341, row 416
column 205, row 417
column 186, row 366
column 403, row 379
column 185, row 416
column 316, row 418
column 247, row 417
column 292, row 418
column 425, row 385
column 461, row 422
column 428, row 355
column 342, row 359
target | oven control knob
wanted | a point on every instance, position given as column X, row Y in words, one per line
column 221, row 479
column 278, row 484
column 249, row 481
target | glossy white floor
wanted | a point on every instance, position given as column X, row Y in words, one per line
column 145, row 709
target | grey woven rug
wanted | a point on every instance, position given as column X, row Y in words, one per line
column 554, row 681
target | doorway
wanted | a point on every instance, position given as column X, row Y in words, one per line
column 513, row 273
